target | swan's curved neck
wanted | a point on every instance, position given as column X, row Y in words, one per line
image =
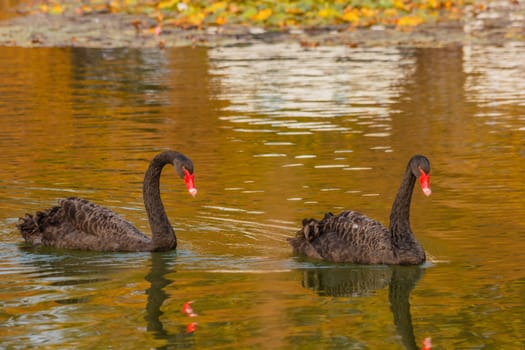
column 400, row 214
column 163, row 236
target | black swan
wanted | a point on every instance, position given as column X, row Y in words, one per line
column 79, row 224
column 355, row 238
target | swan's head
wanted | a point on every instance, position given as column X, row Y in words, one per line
column 184, row 168
column 420, row 166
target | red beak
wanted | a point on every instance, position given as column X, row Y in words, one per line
column 189, row 180
column 424, row 181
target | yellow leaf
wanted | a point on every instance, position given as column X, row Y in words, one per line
column 400, row 4
column 351, row 16
column 433, row 3
column 167, row 4
column 327, row 12
column 56, row 9
column 262, row 15
column 365, row 12
column 86, row 8
column 409, row 21
column 196, row 19
column 114, row 6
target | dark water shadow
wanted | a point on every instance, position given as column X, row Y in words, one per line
column 357, row 281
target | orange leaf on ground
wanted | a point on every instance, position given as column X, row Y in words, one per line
column 351, row 16
column 262, row 15
column 221, row 20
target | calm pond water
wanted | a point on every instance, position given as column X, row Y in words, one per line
column 277, row 133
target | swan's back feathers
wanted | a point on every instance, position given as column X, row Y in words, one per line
column 94, row 219
column 347, row 237
column 77, row 223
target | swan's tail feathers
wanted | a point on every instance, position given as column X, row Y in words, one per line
column 310, row 230
column 302, row 242
column 32, row 227
column 313, row 228
column 29, row 229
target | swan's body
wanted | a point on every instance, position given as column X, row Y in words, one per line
column 353, row 237
column 79, row 224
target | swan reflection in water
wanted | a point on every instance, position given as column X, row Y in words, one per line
column 161, row 265
column 74, row 279
column 364, row 280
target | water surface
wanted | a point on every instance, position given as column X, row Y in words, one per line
column 277, row 133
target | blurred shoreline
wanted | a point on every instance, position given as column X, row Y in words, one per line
column 502, row 22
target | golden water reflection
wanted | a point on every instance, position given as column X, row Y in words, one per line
column 276, row 133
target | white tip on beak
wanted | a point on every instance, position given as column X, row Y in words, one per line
column 193, row 191
column 427, row 191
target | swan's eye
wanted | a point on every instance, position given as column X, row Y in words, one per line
column 424, row 181
column 189, row 180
